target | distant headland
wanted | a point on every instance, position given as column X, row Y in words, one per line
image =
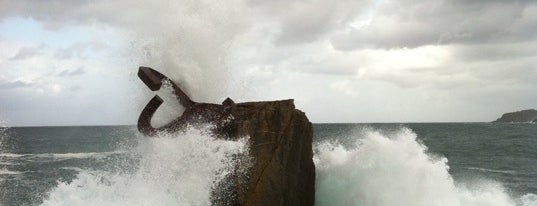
column 529, row 115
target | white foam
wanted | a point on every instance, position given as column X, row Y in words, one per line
column 8, row 163
column 529, row 199
column 62, row 156
column 173, row 170
column 8, row 172
column 491, row 170
column 395, row 169
column 11, row 155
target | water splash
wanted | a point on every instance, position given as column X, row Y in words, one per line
column 396, row 169
column 175, row 169
column 190, row 42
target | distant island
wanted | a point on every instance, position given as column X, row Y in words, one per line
column 529, row 115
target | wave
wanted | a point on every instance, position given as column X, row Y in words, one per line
column 9, row 172
column 173, row 170
column 12, row 155
column 491, row 170
column 376, row 169
column 8, row 163
column 396, row 169
column 62, row 156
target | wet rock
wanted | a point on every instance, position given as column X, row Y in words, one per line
column 283, row 172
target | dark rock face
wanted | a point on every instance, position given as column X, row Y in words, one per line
column 281, row 146
column 529, row 115
column 281, row 169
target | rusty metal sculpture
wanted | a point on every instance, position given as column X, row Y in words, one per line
column 195, row 113
column 278, row 166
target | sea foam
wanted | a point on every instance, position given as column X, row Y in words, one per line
column 378, row 168
column 177, row 169
column 9, row 172
column 396, row 169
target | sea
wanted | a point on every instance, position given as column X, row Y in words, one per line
column 399, row 164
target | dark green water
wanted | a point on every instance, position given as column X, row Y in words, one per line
column 34, row 160
column 506, row 153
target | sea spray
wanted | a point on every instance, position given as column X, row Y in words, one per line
column 173, row 169
column 190, row 42
column 383, row 169
column 528, row 200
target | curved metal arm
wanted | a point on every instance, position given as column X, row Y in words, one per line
column 144, row 121
column 153, row 79
column 196, row 113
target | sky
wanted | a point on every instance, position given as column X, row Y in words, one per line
column 75, row 62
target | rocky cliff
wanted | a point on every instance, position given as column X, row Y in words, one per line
column 279, row 169
column 282, row 171
column 529, row 115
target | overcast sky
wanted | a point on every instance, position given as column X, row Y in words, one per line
column 75, row 62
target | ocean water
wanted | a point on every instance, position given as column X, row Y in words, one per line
column 467, row 164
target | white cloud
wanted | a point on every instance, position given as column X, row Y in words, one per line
column 345, row 60
column 56, row 88
column 345, row 87
column 37, row 84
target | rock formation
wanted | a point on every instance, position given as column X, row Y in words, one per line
column 281, row 171
column 529, row 115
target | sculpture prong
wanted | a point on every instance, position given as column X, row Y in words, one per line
column 154, row 80
column 151, row 78
column 144, row 121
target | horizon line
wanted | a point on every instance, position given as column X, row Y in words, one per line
column 124, row 125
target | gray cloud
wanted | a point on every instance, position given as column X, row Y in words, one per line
column 70, row 73
column 495, row 51
column 79, row 49
column 308, row 21
column 75, row 88
column 26, row 52
column 412, row 23
column 57, row 13
column 14, row 84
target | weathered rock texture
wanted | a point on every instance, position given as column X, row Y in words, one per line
column 283, row 172
column 529, row 115
column 279, row 170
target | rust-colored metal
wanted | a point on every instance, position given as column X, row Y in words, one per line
column 194, row 112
